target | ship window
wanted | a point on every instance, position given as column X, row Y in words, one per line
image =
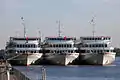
column 31, row 51
column 105, row 45
column 68, row 51
column 97, row 51
column 65, row 45
column 96, row 45
column 99, row 45
column 96, row 38
column 17, row 45
column 107, row 50
column 25, row 45
column 87, row 51
column 56, row 45
column 28, row 46
column 60, row 45
column 93, row 45
column 82, row 51
column 90, row 45
column 34, row 45
column 23, row 51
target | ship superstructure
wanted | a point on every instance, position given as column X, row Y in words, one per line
column 61, row 50
column 97, row 50
column 24, row 50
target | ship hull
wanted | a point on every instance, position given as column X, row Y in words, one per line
column 26, row 59
column 61, row 59
column 98, row 59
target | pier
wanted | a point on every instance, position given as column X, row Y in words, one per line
column 9, row 73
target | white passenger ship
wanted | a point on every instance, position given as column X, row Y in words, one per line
column 61, row 50
column 97, row 50
column 24, row 51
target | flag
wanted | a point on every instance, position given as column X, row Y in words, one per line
column 26, row 40
column 65, row 38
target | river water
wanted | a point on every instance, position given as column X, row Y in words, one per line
column 81, row 72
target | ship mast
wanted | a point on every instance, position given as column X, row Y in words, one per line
column 23, row 23
column 59, row 31
column 93, row 25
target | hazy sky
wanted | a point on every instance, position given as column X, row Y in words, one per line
column 73, row 14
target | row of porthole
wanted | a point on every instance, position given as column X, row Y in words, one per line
column 95, row 51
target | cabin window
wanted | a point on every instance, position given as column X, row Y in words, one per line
column 97, row 51
column 65, row 45
column 90, row 45
column 86, row 45
column 111, row 50
column 40, row 51
column 23, row 51
column 68, row 51
column 60, row 45
column 17, row 45
column 56, row 45
column 82, row 51
column 34, row 45
column 87, row 51
column 105, row 45
column 93, row 45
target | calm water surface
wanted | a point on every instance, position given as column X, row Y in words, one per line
column 111, row 72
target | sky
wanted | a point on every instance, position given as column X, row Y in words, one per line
column 74, row 15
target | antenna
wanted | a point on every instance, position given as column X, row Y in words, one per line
column 39, row 32
column 92, row 22
column 23, row 23
column 59, row 25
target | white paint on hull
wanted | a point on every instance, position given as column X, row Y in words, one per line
column 33, row 57
column 62, row 59
column 28, row 58
column 108, row 58
column 99, row 59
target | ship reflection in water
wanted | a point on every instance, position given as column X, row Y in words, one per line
column 111, row 72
